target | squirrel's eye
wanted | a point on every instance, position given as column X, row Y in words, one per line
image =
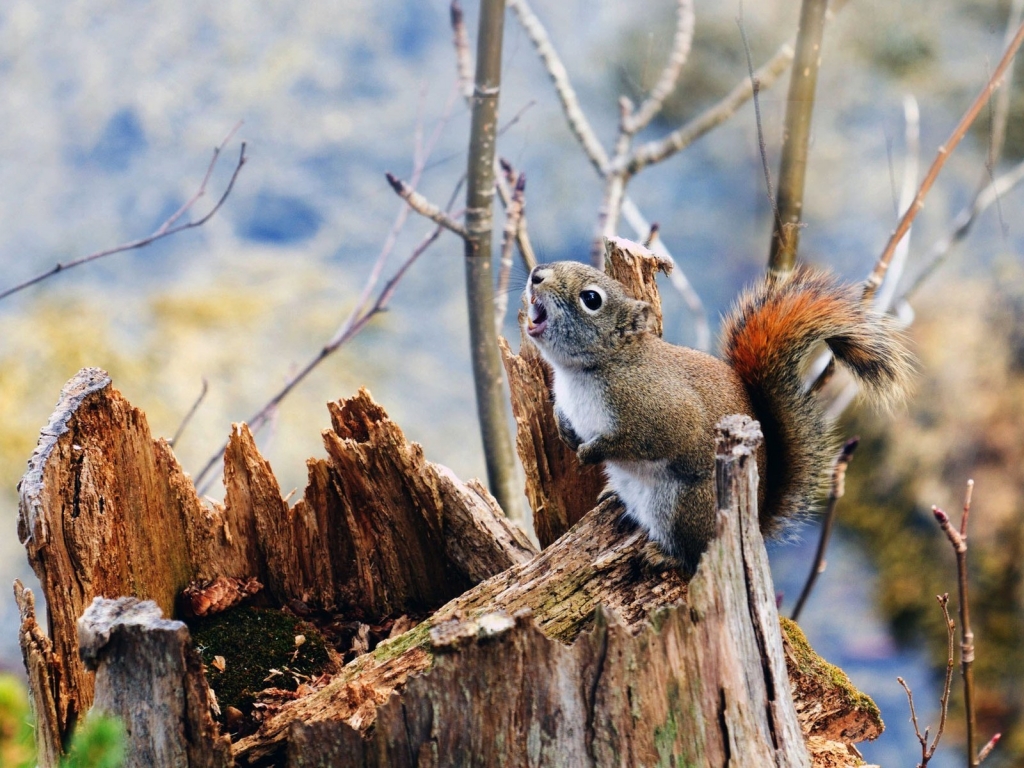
column 591, row 300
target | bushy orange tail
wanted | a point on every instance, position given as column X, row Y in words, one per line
column 767, row 338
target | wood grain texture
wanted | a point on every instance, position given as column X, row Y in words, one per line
column 637, row 268
column 106, row 511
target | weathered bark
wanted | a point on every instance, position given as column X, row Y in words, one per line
column 106, row 511
column 636, row 267
column 138, row 656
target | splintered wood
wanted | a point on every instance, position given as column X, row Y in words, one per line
column 106, row 511
column 578, row 655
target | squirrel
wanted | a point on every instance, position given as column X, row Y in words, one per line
column 647, row 409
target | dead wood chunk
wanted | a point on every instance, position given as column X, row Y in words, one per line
column 104, row 510
column 531, row 660
column 399, row 533
column 636, row 267
column 559, row 490
column 148, row 675
column 828, row 704
column 40, row 663
column 206, row 598
column 833, row 754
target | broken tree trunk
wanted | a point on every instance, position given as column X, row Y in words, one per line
column 578, row 655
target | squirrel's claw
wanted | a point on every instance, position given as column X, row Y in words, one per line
column 654, row 560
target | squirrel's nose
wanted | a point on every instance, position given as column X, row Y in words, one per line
column 539, row 275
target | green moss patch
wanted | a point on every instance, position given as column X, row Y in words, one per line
column 254, row 642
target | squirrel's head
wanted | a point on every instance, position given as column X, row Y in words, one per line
column 577, row 315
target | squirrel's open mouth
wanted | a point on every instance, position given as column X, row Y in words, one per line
column 536, row 318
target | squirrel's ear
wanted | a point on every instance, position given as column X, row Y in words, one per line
column 640, row 316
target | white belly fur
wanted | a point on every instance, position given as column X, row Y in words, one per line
column 648, row 491
column 581, row 399
column 647, row 488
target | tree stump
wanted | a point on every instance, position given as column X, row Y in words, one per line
column 497, row 654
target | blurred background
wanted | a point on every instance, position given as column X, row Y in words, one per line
column 110, row 111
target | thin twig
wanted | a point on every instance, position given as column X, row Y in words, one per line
column 676, row 277
column 513, row 217
column 681, row 44
column 352, row 326
column 928, row 751
column 424, row 207
column 962, row 226
column 362, row 312
column 755, row 88
column 578, row 122
column 767, row 75
column 463, row 57
column 878, row 273
column 656, row 151
column 166, row 229
column 504, row 187
column 958, row 540
column 191, row 412
column 836, row 491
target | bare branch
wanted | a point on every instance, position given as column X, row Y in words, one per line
column 578, row 122
column 796, row 136
column 878, row 273
column 424, row 207
column 681, row 44
column 755, row 87
column 491, row 399
column 656, row 151
column 191, row 412
column 958, row 540
column 928, row 751
column 522, row 231
column 676, row 277
column 836, row 491
column 513, row 218
column 166, row 229
column 913, row 718
column 948, row 681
